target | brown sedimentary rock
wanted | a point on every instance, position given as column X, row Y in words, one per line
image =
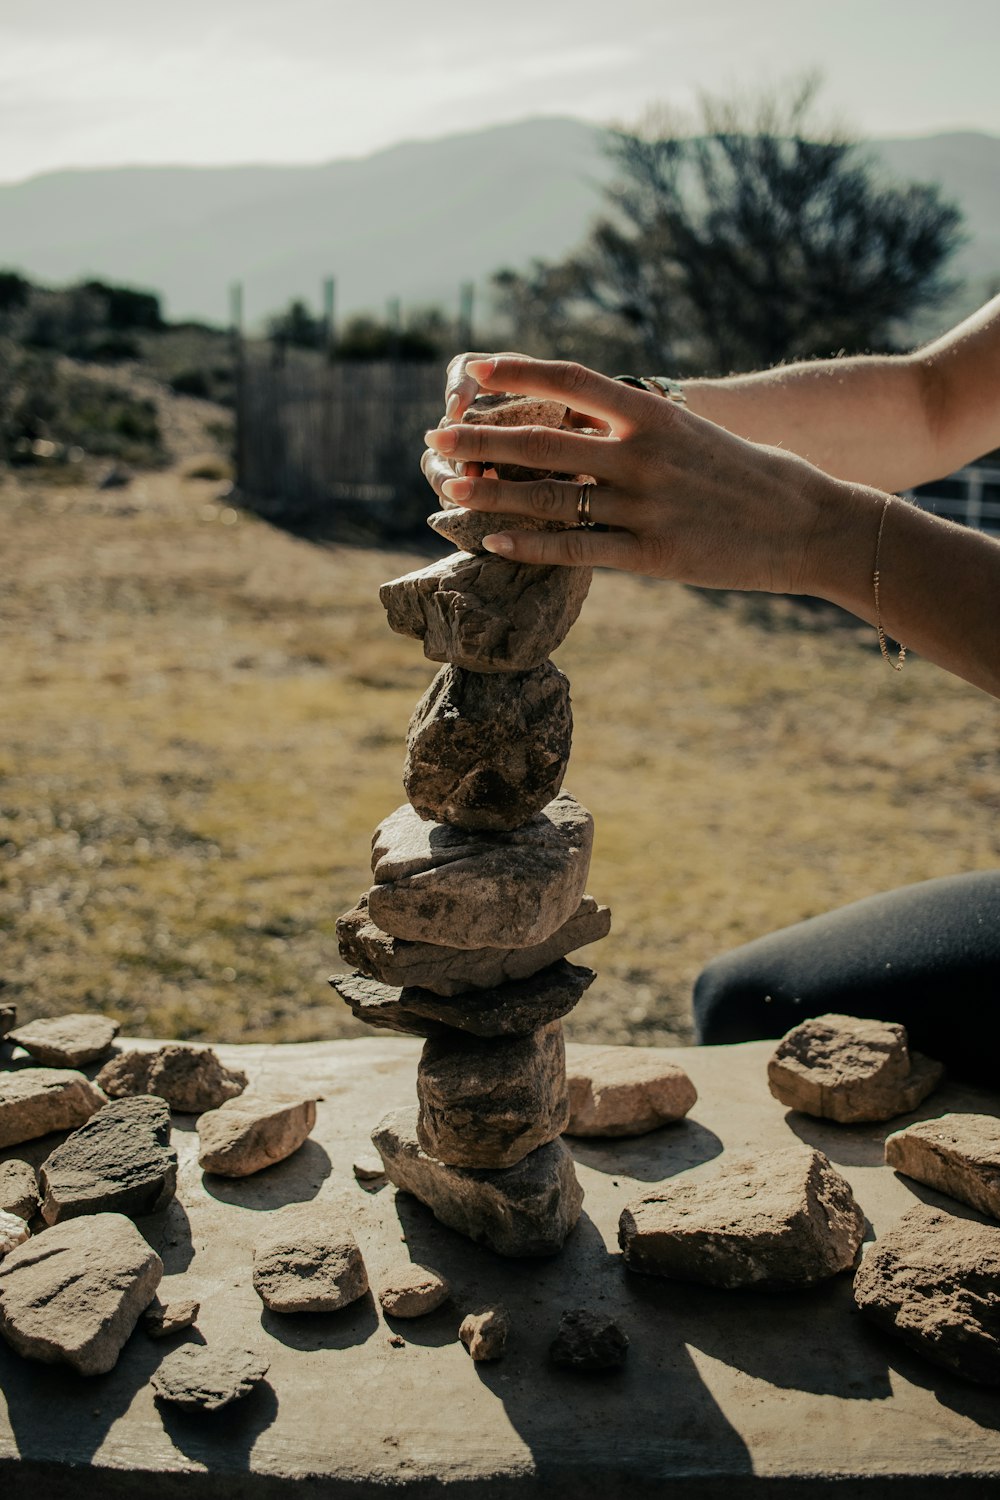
column 381, row 1005
column 161, row 1319
column 588, row 1341
column 625, row 1091
column 306, row 1260
column 512, row 1009
column 465, row 529
column 412, row 1291
column 120, row 1161
column 848, row 1069
column 253, row 1131
column 199, row 1377
column 66, row 1041
column 485, row 1333
column 18, row 1188
column 191, row 1079
column 957, row 1154
column 13, row 1232
column 35, row 1101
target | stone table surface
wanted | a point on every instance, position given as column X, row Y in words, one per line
column 723, row 1393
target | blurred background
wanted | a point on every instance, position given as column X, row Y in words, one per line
column 238, row 245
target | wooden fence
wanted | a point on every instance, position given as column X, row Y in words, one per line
column 971, row 496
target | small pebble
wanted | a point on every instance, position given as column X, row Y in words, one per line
column 484, row 1333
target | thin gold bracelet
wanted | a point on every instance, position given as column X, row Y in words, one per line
column 897, row 666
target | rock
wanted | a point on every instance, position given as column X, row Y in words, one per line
column 933, row 1280
column 200, row 1377
column 485, row 613
column 437, row 884
column 957, row 1154
column 851, row 1070
column 35, row 1101
column 412, row 1291
column 506, row 410
column 381, row 1005
column 466, row 528
column 488, row 750
column 588, row 1341
column 528, row 1209
column 489, row 1102
column 191, row 1079
column 120, row 1162
column 305, row 1259
column 253, row 1131
column 485, row 1333
column 75, row 1293
column 450, row 971
column 625, row 1091
column 18, row 1189
column 783, row 1218
column 8, row 1019
column 67, row 1041
column 161, row 1319
column 369, row 1169
column 13, row 1232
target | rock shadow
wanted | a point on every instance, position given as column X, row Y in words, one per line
column 169, row 1233
column 308, row 1332
column 977, row 1403
column 863, row 1145
column 297, row 1179
column 221, row 1440
column 652, row 1157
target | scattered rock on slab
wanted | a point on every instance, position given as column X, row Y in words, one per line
column 253, row 1131
column 67, row 1041
column 625, row 1091
column 121, row 1162
column 528, row 1209
column 18, row 1188
column 488, row 751
column 35, row 1101
column 784, row 1218
column 13, row 1232
column 450, row 971
column 933, row 1280
column 161, row 1319
column 851, row 1070
column 191, row 1079
column 588, row 1341
column 8, row 1019
column 306, row 1259
column 203, row 1377
column 369, row 1169
column 957, row 1154
column 412, row 1291
column 488, row 1102
column 485, row 1333
column 75, row 1293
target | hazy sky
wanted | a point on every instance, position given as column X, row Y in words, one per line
column 109, row 82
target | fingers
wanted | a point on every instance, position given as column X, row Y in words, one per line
column 544, row 499
column 576, row 548
column 461, row 388
column 545, row 448
column 621, row 406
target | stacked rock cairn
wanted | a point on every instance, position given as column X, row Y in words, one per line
column 479, row 886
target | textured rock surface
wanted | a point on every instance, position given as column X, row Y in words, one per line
column 8, row 1019
column 511, row 1009
column 450, row 971
column 848, row 1069
column 201, row 1377
column 121, row 1162
column 67, row 1041
column 381, row 1005
column 75, row 1293
column 35, row 1101
column 460, row 889
column 488, row 1102
column 625, row 1091
column 306, row 1259
column 484, row 613
column 466, row 528
column 485, row 1333
column 957, row 1154
column 161, row 1319
column 191, row 1079
column 786, row 1217
column 488, row 750
column 18, row 1188
column 253, row 1131
column 588, row 1341
column 412, row 1291
column 933, row 1279
column 528, row 1209
column 13, row 1232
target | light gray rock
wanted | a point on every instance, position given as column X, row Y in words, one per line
column 485, row 613
column 625, row 1091
column 76, row 1292
column 18, row 1188
column 202, row 1377
column 466, row 528
column 120, row 1161
column 8, row 1019
column 933, row 1280
column 488, row 750
column 253, row 1131
column 459, row 889
column 161, row 1319
column 528, row 1209
column 13, row 1232
column 450, row 971
column 191, row 1079
column 588, row 1341
column 67, row 1041
column 851, row 1070
column 485, row 1333
column 489, row 1102
column 35, row 1101
column 412, row 1291
column 957, row 1154
column 306, row 1260
column 782, row 1218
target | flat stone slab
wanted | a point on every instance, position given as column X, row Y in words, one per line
column 120, row 1161
column 36, row 1101
column 67, row 1041
column 850, row 1069
column 957, row 1154
column 624, row 1091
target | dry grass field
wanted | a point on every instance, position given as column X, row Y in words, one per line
column 203, row 719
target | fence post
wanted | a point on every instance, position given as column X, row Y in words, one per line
column 239, row 379
column 329, row 325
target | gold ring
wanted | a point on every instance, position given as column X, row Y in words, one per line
column 583, row 508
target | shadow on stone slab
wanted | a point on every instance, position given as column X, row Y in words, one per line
column 221, row 1440
column 978, row 1403
column 297, row 1179
column 169, row 1233
column 653, row 1157
column 310, row 1331
column 433, row 1331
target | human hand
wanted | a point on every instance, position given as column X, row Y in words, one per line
column 460, row 390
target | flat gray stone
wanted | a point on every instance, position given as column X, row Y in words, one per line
column 851, row 1070
column 35, row 1101
column 67, row 1041
column 957, row 1154
column 8, row 1019
column 381, row 1005
column 205, row 1377
column 781, row 1218
column 588, row 1340
column 306, row 1260
column 161, row 1319
column 75, row 1293
column 488, row 750
column 450, row 971
column 18, row 1188
column 253, row 1131
column 412, row 1291
column 528, row 1209
column 191, row 1079
column 485, row 1333
column 933, row 1280
column 120, row 1161
column 13, row 1232
column 625, row 1091
column 489, row 1102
